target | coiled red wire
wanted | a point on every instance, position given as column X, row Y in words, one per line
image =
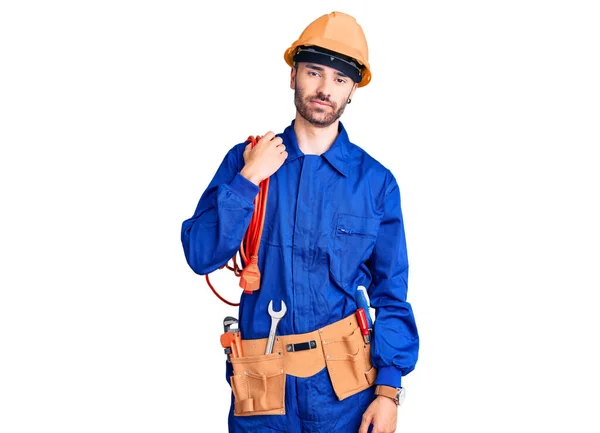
column 251, row 241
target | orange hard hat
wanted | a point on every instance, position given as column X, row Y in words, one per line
column 337, row 32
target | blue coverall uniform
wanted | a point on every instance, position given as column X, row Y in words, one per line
column 333, row 222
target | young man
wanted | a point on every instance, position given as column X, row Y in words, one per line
column 333, row 223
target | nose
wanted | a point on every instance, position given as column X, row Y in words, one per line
column 324, row 90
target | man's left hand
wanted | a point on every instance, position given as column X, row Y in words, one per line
column 382, row 413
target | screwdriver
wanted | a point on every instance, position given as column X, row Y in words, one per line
column 363, row 324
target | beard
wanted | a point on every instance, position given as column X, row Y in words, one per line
column 317, row 116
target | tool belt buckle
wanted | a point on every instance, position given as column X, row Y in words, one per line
column 297, row 347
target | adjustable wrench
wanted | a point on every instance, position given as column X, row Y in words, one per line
column 275, row 317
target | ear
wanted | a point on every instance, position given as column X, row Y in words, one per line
column 353, row 90
column 293, row 78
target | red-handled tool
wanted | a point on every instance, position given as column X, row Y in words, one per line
column 363, row 324
column 231, row 340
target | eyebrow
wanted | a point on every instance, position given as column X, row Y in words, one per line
column 319, row 68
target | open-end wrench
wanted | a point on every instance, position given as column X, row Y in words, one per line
column 275, row 317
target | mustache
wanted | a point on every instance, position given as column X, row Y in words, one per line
column 322, row 98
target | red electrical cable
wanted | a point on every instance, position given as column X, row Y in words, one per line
column 250, row 274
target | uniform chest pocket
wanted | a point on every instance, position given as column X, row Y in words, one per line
column 353, row 243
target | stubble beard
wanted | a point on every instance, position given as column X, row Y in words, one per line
column 319, row 117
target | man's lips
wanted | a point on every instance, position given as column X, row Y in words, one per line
column 320, row 103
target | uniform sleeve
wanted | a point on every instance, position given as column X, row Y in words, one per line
column 395, row 338
column 212, row 236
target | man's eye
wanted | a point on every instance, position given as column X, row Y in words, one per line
column 341, row 80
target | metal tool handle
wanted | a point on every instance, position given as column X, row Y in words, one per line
column 270, row 344
column 271, row 340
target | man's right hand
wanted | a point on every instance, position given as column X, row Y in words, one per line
column 264, row 159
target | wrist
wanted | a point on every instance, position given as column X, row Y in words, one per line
column 394, row 394
column 386, row 400
column 248, row 174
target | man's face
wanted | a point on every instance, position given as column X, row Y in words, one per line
column 321, row 93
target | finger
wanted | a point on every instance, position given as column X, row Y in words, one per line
column 276, row 141
column 268, row 136
column 364, row 425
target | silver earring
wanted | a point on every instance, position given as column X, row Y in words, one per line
column 349, row 100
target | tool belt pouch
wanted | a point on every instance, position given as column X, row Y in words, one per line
column 348, row 359
column 258, row 385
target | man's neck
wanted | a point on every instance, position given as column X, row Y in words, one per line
column 313, row 140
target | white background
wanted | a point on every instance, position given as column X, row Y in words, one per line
column 114, row 116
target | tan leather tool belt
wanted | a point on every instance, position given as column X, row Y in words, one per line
column 258, row 382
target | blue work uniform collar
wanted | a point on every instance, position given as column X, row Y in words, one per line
column 337, row 155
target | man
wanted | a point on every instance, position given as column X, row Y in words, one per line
column 333, row 223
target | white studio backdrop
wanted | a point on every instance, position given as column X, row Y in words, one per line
column 115, row 115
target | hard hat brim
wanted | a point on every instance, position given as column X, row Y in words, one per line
column 336, row 46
